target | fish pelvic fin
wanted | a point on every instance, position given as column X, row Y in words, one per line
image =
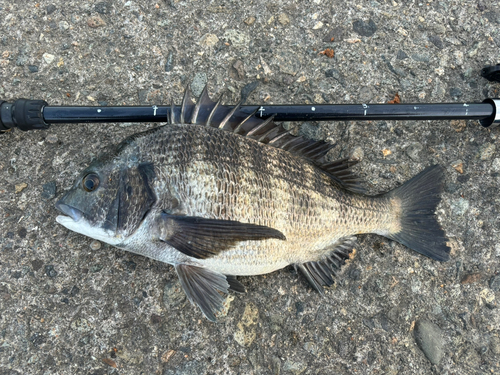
column 322, row 272
column 203, row 288
column 419, row 228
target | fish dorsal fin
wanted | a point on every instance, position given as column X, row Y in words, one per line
column 231, row 118
column 321, row 272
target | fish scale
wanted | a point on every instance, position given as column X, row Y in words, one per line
column 218, row 195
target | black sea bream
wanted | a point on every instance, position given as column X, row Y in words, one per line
column 218, row 195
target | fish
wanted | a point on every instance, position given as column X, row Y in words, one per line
column 218, row 193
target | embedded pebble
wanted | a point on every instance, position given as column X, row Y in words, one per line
column 486, row 151
column 496, row 165
column 209, row 40
column 364, row 28
column 48, row 58
column 429, row 338
column 95, row 245
column 250, row 20
column 459, row 206
column 294, row 367
column 357, row 153
column 495, row 283
column 173, row 295
column 414, row 151
column 237, row 38
column 52, row 138
column 63, row 25
column 49, row 190
column 20, row 187
column 283, row 19
column 199, row 82
column 245, row 332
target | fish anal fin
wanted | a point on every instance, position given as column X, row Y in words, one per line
column 321, row 272
column 203, row 238
column 203, row 288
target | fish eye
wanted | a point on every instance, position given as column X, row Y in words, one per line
column 90, row 182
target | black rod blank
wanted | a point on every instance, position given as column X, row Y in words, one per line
column 302, row 112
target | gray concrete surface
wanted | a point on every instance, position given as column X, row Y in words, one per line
column 71, row 306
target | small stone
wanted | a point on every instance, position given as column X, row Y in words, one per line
column 250, row 20
column 495, row 345
column 459, row 166
column 50, row 271
column 495, row 166
column 50, row 9
column 283, row 19
column 81, row 325
column 458, row 125
column 199, row 82
column 294, row 367
column 311, row 347
column 245, row 333
column 95, row 22
column 364, row 28
column 471, row 278
column 336, row 34
column 63, row 25
column 495, row 283
column 51, row 138
column 173, row 295
column 318, row 25
column 429, row 338
column 169, row 65
column 436, row 40
column 386, row 152
column 209, row 40
column 49, row 190
column 95, row 245
column 238, row 70
column 401, row 55
column 459, row 206
column 414, row 151
column 357, row 154
column 103, row 7
column 420, row 58
column 487, row 151
column 237, row 38
column 455, row 92
column 48, row 58
column 33, row 68
column 20, row 187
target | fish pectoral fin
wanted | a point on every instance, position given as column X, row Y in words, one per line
column 320, row 273
column 202, row 238
column 203, row 288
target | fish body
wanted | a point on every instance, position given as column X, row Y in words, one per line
column 219, row 195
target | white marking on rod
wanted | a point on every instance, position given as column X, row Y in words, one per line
column 415, row 108
column 99, row 110
column 261, row 109
column 154, row 108
column 313, row 109
column 466, row 105
column 365, row 107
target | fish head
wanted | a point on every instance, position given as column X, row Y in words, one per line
column 109, row 200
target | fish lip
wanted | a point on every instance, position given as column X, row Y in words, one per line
column 72, row 212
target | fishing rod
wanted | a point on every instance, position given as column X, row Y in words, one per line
column 27, row 114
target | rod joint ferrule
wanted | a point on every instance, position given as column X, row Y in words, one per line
column 494, row 120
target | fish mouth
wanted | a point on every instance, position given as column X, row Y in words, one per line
column 71, row 212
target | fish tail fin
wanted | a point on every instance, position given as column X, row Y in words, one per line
column 420, row 229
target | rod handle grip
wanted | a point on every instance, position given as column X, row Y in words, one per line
column 24, row 114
